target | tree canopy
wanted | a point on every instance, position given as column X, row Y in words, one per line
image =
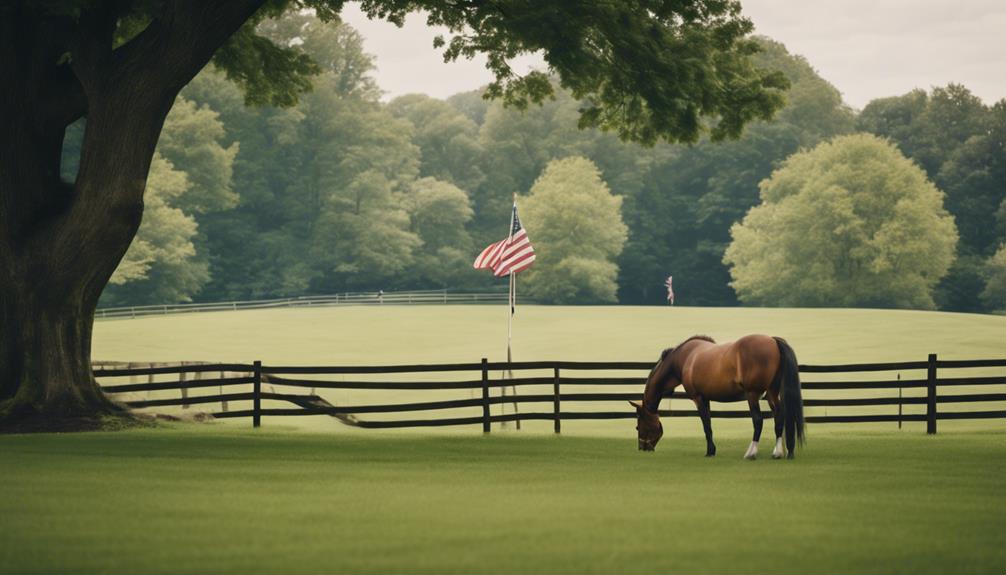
column 958, row 140
column 994, row 294
column 680, row 212
column 850, row 223
column 576, row 226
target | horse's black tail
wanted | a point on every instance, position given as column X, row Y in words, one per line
column 788, row 378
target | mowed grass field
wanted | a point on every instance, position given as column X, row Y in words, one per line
column 191, row 499
column 307, row 495
column 388, row 335
column 433, row 334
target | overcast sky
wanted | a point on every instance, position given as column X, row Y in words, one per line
column 866, row 48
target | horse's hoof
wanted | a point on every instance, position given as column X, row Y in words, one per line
column 751, row 457
column 710, row 454
column 789, row 455
column 776, row 456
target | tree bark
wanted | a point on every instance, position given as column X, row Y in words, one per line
column 61, row 242
column 46, row 370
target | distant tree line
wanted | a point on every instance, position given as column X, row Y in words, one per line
column 342, row 192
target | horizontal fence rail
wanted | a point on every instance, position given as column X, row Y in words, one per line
column 253, row 376
column 426, row 297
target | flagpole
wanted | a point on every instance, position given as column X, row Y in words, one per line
column 511, row 303
column 509, row 336
column 509, row 320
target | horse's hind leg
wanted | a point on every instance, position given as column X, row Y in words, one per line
column 703, row 405
column 756, row 419
column 773, row 401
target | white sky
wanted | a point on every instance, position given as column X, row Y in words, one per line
column 866, row 48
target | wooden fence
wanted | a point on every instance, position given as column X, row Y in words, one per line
column 424, row 297
column 191, row 376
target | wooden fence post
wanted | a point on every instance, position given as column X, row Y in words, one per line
column 931, row 396
column 485, row 396
column 257, row 401
column 223, row 404
column 555, row 403
column 900, row 388
column 182, row 376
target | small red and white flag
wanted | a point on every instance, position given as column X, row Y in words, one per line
column 670, row 290
column 508, row 256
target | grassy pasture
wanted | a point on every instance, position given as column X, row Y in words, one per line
column 437, row 333
column 304, row 495
column 212, row 499
column 434, row 334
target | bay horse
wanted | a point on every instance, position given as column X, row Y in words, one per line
column 753, row 366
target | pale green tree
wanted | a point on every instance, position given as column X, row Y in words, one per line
column 161, row 262
column 994, row 294
column 575, row 225
column 850, row 223
column 191, row 140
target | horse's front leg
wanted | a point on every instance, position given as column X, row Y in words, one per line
column 756, row 419
column 703, row 406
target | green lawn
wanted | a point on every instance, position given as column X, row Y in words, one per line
column 214, row 499
column 436, row 333
column 308, row 495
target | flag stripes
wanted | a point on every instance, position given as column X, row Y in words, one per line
column 516, row 256
column 509, row 256
column 489, row 256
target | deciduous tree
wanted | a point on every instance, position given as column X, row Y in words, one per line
column 448, row 141
column 679, row 218
column 958, row 140
column 575, row 224
column 850, row 223
column 994, row 292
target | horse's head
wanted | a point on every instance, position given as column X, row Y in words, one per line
column 648, row 422
column 648, row 426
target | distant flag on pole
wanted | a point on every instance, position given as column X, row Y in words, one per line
column 670, row 290
column 508, row 256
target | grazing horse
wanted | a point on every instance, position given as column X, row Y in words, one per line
column 753, row 366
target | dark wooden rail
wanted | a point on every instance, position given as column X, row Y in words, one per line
column 256, row 375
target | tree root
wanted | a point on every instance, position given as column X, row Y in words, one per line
column 20, row 417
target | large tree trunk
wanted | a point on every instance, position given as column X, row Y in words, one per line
column 46, row 342
column 61, row 242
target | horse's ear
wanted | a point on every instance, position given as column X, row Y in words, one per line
column 636, row 405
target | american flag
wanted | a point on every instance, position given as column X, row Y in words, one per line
column 670, row 290
column 509, row 256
